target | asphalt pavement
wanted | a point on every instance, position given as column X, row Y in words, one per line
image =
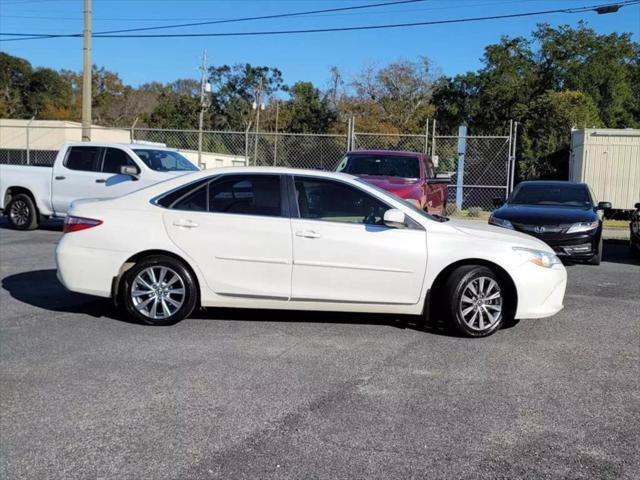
column 235, row 394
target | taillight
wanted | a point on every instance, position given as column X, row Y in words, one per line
column 75, row 224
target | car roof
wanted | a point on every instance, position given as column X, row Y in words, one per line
column 133, row 146
column 273, row 170
column 552, row 183
column 391, row 153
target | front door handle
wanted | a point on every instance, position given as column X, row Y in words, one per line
column 101, row 180
column 308, row 234
column 185, row 223
column 60, row 177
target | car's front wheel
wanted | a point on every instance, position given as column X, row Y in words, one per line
column 159, row 290
column 475, row 301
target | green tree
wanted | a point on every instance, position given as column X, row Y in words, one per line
column 14, row 80
column 307, row 111
column 601, row 66
column 400, row 92
column 547, row 132
column 236, row 88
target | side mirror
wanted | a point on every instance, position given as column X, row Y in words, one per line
column 637, row 205
column 394, row 218
column 129, row 170
column 498, row 202
column 604, row 205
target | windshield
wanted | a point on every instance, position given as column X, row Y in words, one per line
column 164, row 160
column 381, row 165
column 546, row 194
column 409, row 204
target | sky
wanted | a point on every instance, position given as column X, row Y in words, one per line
column 453, row 48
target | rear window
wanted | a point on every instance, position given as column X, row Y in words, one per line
column 85, row 159
column 570, row 195
column 381, row 165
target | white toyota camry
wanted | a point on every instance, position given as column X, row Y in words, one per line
column 299, row 239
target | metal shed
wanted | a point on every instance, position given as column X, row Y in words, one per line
column 608, row 160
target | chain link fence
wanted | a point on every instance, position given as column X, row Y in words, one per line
column 480, row 167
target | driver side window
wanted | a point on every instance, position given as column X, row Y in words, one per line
column 321, row 199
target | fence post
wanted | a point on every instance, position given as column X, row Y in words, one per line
column 426, row 138
column 349, row 134
column 462, row 149
column 132, row 133
column 246, row 145
column 433, row 139
column 508, row 182
column 353, row 133
column 513, row 163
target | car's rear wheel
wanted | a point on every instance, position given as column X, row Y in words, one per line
column 22, row 212
column 475, row 300
column 159, row 290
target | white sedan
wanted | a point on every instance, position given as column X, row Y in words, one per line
column 306, row 240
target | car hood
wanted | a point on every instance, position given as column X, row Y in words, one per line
column 483, row 231
column 397, row 185
column 545, row 215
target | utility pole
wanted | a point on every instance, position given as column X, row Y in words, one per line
column 204, row 103
column 257, row 105
column 86, row 74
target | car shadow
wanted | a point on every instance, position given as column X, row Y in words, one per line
column 53, row 225
column 619, row 251
column 42, row 289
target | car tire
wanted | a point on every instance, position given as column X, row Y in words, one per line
column 597, row 258
column 159, row 290
column 22, row 212
column 478, row 314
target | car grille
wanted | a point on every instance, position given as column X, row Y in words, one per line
column 540, row 229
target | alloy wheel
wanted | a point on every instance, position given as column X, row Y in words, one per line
column 158, row 292
column 481, row 304
column 19, row 213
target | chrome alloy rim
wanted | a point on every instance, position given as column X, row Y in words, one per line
column 158, row 292
column 481, row 303
column 19, row 212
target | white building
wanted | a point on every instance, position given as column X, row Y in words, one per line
column 608, row 160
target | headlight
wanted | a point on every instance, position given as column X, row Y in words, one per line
column 500, row 222
column 538, row 257
column 583, row 227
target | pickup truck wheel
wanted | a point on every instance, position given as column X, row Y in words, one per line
column 475, row 301
column 22, row 212
column 159, row 290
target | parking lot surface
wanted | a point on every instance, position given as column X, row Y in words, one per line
column 258, row 394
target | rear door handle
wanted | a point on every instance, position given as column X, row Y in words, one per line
column 308, row 234
column 185, row 223
column 101, row 180
column 60, row 177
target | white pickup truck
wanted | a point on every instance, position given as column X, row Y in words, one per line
column 29, row 194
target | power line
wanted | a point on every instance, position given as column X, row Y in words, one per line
column 338, row 29
column 166, row 19
column 244, row 19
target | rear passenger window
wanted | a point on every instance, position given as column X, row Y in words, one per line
column 86, row 159
column 246, row 195
column 195, row 201
column 171, row 199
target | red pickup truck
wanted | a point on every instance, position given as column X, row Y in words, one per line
column 408, row 175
